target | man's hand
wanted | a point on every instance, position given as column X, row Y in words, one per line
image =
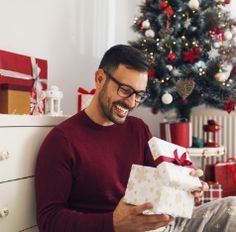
column 199, row 192
column 129, row 218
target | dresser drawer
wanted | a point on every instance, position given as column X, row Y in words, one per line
column 18, row 199
column 19, row 147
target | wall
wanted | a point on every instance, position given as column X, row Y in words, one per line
column 72, row 35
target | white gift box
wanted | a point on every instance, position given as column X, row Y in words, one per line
column 84, row 98
column 168, row 186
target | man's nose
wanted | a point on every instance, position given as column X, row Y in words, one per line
column 131, row 100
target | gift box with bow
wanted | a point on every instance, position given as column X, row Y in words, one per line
column 169, row 185
column 23, row 71
column 225, row 174
column 84, row 98
column 213, row 193
column 177, row 132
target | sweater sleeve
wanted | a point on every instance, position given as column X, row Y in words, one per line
column 53, row 181
column 149, row 161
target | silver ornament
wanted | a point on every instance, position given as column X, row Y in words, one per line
column 150, row 33
column 166, row 98
column 194, row 4
column 228, row 35
column 169, row 67
column 146, row 24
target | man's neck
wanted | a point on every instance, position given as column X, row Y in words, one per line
column 97, row 116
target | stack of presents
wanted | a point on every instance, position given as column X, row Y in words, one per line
column 168, row 185
column 23, row 85
column 22, row 79
column 221, row 175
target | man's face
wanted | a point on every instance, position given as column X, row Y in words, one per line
column 114, row 107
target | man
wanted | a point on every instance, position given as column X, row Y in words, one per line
column 84, row 163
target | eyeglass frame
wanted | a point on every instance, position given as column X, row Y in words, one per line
column 137, row 93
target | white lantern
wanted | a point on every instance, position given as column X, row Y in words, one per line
column 53, row 101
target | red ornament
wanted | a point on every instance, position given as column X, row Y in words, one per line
column 211, row 135
column 190, row 56
column 229, row 105
column 163, row 5
column 171, row 56
column 155, row 111
column 151, row 73
column 196, row 50
column 218, row 30
column 217, row 34
column 227, row 1
column 169, row 11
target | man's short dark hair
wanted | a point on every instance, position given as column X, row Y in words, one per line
column 126, row 55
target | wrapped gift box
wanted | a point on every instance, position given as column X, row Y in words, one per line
column 24, row 71
column 213, row 193
column 84, row 98
column 225, row 174
column 14, row 99
column 18, row 69
column 169, row 185
column 179, row 133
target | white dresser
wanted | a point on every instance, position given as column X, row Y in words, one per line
column 20, row 139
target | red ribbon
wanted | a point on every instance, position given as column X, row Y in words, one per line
column 84, row 91
column 182, row 161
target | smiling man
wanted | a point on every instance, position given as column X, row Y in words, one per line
column 84, row 163
column 119, row 94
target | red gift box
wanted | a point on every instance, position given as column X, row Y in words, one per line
column 18, row 69
column 179, row 133
column 213, row 193
column 22, row 70
column 84, row 98
column 223, row 173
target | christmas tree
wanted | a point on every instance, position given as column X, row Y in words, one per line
column 190, row 45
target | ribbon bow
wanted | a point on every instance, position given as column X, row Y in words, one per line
column 84, row 91
column 37, row 100
column 182, row 161
column 191, row 55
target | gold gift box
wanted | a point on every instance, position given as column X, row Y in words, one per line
column 14, row 99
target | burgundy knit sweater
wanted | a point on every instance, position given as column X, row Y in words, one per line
column 82, row 172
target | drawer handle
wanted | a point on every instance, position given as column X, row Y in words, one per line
column 4, row 212
column 4, row 155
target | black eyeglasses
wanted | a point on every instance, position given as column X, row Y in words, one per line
column 126, row 91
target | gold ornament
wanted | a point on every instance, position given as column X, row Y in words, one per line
column 185, row 87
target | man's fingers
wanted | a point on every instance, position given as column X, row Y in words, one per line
column 197, row 172
column 205, row 186
column 140, row 208
column 156, row 221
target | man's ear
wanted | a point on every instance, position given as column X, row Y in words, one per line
column 99, row 78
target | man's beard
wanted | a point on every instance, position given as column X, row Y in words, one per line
column 109, row 107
